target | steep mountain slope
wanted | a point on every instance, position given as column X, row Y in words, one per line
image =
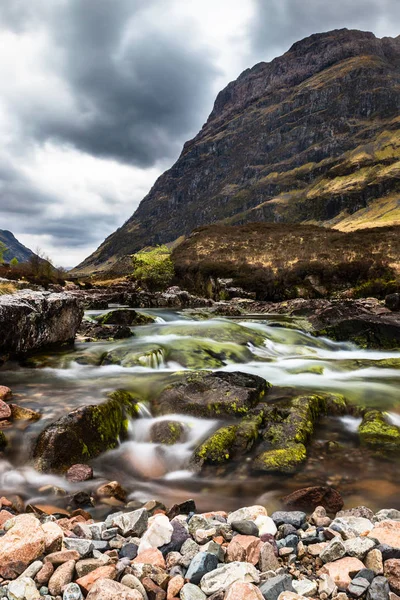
column 14, row 247
column 312, row 137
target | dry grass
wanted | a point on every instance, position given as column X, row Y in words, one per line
column 7, row 288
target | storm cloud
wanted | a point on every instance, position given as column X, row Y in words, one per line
column 98, row 97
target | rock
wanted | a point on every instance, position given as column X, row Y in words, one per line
column 305, row 587
column 32, row 570
column 72, row 592
column 78, row 473
column 202, row 563
column 5, row 516
column 87, row 565
column 58, row 558
column 224, row 576
column 281, row 460
column 392, row 302
column 134, row 583
column 83, row 547
column 23, row 588
column 243, row 591
column 335, row 550
column 192, row 592
column 319, row 517
column 112, row 489
column 387, row 532
column 358, row 587
column 167, row 432
column 88, row 581
column 53, row 537
column 245, row 527
column 106, row 589
column 274, row 586
column 309, row 498
column 5, row 393
column 248, row 513
column 174, row 587
column 244, row 548
column 61, row 577
column 358, row 511
column 21, row 413
column 205, row 394
column 379, row 589
column 342, row 571
column 43, row 576
column 32, row 320
column 124, row 316
column 374, row 561
column 132, row 523
column 378, row 435
column 349, row 527
column 179, row 535
column 386, row 514
column 268, row 560
column 292, row 596
column 23, row 543
column 358, row 547
column 5, row 410
column 158, row 534
column 326, row 586
column 85, row 432
column 392, row 573
column 154, row 591
column 129, row 551
column 151, row 556
column 294, row 518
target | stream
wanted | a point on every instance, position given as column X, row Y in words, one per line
column 270, row 346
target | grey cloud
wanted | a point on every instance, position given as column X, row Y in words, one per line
column 278, row 24
column 17, row 195
column 75, row 231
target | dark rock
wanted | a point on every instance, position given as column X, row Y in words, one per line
column 185, row 508
column 202, row 563
column 358, row 587
column 124, row 316
column 309, row 498
column 285, row 530
column 378, row 435
column 388, row 552
column 273, row 587
column 179, row 536
column 78, row 473
column 392, row 302
column 92, row 332
column 294, row 518
column 245, row 528
column 379, row 589
column 84, row 433
column 167, row 432
column 129, row 551
column 367, row 574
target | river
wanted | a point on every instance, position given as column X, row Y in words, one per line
column 57, row 382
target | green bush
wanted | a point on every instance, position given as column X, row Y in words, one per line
column 153, row 268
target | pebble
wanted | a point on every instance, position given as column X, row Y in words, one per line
column 202, row 563
column 83, row 547
column 222, row 577
column 132, row 523
column 157, row 534
column 334, row 550
column 245, row 527
column 192, row 592
column 61, row 577
column 294, row 518
column 274, row 586
column 23, row 588
column 72, row 592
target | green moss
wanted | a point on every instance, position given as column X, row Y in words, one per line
column 217, row 448
column 378, row 435
column 281, row 460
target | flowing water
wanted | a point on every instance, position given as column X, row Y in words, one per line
column 272, row 347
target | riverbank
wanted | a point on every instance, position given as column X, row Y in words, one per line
column 150, row 552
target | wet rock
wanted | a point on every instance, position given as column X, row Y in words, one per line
column 205, row 394
column 244, row 548
column 106, row 589
column 167, row 432
column 85, row 432
column 72, row 592
column 224, row 576
column 92, row 332
column 124, row 316
column 23, row 588
column 379, row 589
column 243, row 591
column 61, row 577
column 23, row 543
column 342, row 571
column 202, row 563
column 21, row 413
column 5, row 393
column 378, row 435
column 311, row 497
column 274, row 586
column 112, row 489
column 5, row 410
column 228, row 442
column 79, row 473
column 392, row 302
column 281, row 460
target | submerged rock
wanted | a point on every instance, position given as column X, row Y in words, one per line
column 311, row 497
column 205, row 394
column 124, row 316
column 167, row 432
column 33, row 320
column 84, row 433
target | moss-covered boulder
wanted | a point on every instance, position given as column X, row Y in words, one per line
column 281, row 460
column 221, row 330
column 124, row 316
column 376, row 331
column 228, row 442
column 168, row 432
column 84, row 433
column 378, row 435
column 205, row 394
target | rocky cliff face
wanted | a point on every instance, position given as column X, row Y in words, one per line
column 312, row 137
column 14, row 248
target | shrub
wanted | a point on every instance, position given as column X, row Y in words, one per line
column 153, row 268
column 3, row 249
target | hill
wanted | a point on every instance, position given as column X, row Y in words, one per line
column 14, row 248
column 311, row 137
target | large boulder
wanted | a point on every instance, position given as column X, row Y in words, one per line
column 84, row 433
column 205, row 394
column 33, row 320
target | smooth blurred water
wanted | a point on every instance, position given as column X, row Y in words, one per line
column 56, row 383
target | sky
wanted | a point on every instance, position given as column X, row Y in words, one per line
column 98, row 97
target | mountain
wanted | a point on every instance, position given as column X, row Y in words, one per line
column 14, row 247
column 311, row 137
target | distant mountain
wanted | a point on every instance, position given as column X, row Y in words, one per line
column 311, row 137
column 14, row 247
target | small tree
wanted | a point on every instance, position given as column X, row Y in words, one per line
column 153, row 267
column 14, row 262
column 3, row 249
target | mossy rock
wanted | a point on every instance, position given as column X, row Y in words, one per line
column 378, row 435
column 228, row 442
column 281, row 460
column 168, row 432
column 84, row 433
column 381, row 333
column 223, row 331
column 205, row 394
column 124, row 316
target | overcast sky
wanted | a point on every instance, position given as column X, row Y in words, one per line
column 98, row 97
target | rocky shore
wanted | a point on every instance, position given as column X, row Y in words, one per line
column 151, row 553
